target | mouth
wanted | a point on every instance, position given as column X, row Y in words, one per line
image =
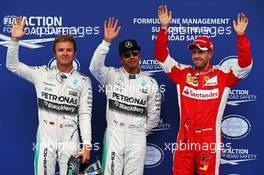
column 132, row 62
column 65, row 59
column 197, row 61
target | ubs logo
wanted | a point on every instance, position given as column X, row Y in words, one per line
column 235, row 127
column 154, row 156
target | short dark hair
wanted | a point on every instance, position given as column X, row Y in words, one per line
column 64, row 38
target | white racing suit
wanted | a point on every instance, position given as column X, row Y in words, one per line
column 133, row 109
column 64, row 109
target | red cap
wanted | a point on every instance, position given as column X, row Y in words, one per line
column 204, row 43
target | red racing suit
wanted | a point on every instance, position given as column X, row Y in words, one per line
column 202, row 97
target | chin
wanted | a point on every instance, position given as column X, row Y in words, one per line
column 132, row 67
column 65, row 64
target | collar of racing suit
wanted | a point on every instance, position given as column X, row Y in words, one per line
column 69, row 73
column 131, row 76
column 197, row 72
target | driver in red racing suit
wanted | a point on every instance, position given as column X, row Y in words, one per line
column 202, row 93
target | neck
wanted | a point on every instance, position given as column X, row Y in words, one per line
column 65, row 69
column 132, row 70
column 203, row 68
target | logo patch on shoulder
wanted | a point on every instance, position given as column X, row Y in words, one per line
column 192, row 80
column 211, row 82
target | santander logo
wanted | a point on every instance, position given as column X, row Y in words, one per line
column 200, row 94
column 186, row 92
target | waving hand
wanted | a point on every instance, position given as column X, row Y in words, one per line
column 110, row 29
column 165, row 15
column 240, row 25
column 18, row 29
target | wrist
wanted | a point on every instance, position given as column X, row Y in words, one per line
column 108, row 40
column 15, row 39
column 240, row 34
column 164, row 26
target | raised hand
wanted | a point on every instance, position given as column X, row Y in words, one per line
column 110, row 29
column 165, row 16
column 241, row 24
column 18, row 29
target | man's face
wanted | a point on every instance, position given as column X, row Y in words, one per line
column 64, row 53
column 130, row 60
column 201, row 59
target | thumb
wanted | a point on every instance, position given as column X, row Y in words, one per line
column 78, row 155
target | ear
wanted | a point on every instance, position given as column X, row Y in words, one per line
column 75, row 53
column 121, row 60
column 211, row 53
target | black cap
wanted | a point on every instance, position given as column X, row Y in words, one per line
column 128, row 45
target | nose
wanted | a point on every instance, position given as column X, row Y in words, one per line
column 195, row 56
column 131, row 56
column 65, row 52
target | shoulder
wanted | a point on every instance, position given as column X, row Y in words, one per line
column 81, row 76
column 43, row 68
column 148, row 78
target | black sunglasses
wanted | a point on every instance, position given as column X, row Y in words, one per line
column 128, row 54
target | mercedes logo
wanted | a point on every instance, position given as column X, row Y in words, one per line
column 128, row 44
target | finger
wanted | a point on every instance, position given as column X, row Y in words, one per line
column 116, row 22
column 20, row 20
column 237, row 18
column 118, row 30
column 23, row 22
column 105, row 25
column 15, row 21
column 165, row 10
column 159, row 13
column 78, row 155
column 170, row 14
column 25, row 30
column 234, row 23
column 108, row 23
column 112, row 21
column 244, row 18
column 84, row 160
column 161, row 9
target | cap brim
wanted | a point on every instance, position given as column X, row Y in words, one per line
column 130, row 49
column 192, row 45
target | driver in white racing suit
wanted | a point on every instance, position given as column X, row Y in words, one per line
column 133, row 105
column 64, row 103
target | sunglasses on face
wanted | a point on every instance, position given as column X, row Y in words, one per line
column 128, row 54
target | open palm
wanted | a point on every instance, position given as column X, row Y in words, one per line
column 165, row 16
column 110, row 29
column 18, row 28
column 241, row 24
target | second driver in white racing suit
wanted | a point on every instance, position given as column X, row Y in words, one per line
column 133, row 105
